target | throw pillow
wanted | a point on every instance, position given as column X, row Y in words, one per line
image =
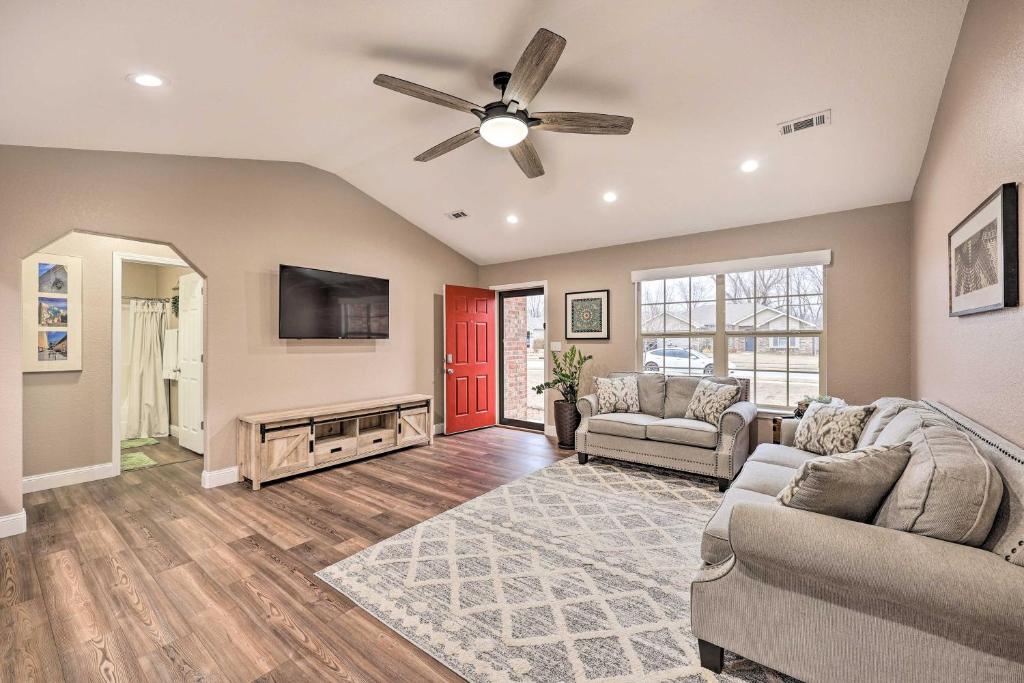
column 908, row 421
column 949, row 490
column 710, row 400
column 618, row 395
column 886, row 408
column 826, row 429
column 847, row 485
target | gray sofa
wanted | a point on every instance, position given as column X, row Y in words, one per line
column 660, row 434
column 827, row 599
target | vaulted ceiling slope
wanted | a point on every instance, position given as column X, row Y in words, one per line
column 706, row 82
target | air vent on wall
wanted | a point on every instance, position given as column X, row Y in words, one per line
column 822, row 118
column 456, row 215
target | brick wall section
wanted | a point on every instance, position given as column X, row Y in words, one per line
column 514, row 370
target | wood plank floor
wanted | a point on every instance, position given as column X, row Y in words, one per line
column 149, row 577
column 167, row 452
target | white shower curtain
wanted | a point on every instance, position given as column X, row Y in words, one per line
column 145, row 404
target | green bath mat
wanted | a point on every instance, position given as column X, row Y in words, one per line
column 138, row 443
column 136, row 461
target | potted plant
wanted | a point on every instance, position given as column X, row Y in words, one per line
column 802, row 406
column 566, row 371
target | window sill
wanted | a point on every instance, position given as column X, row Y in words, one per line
column 767, row 413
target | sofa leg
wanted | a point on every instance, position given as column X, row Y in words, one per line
column 723, row 484
column 582, row 457
column 710, row 656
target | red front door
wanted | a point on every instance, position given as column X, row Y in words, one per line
column 469, row 343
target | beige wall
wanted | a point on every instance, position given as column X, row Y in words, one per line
column 867, row 302
column 974, row 363
column 67, row 415
column 235, row 221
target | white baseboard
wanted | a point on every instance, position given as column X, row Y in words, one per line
column 549, row 430
column 77, row 475
column 174, row 431
column 14, row 524
column 215, row 478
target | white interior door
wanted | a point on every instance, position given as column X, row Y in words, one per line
column 190, row 352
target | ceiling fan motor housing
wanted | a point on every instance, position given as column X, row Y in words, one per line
column 500, row 80
column 499, row 108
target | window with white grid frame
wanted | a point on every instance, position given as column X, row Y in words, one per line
column 774, row 326
column 768, row 324
column 678, row 323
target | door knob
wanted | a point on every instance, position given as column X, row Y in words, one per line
column 450, row 371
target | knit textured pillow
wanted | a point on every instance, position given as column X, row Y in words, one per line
column 618, row 394
column 710, row 400
column 949, row 490
column 826, row 429
column 847, row 485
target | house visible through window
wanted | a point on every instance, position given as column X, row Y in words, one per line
column 766, row 324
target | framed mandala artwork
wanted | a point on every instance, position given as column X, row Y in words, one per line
column 586, row 314
column 983, row 256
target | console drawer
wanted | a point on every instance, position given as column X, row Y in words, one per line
column 326, row 450
column 376, row 438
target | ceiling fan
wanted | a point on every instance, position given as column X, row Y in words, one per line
column 506, row 122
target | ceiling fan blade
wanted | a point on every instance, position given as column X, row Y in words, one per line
column 588, row 124
column 424, row 93
column 451, row 143
column 525, row 155
column 534, row 67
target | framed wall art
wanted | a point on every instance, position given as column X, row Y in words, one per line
column 51, row 304
column 983, row 259
column 586, row 314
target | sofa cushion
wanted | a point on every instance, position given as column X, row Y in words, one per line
column 651, row 386
column 710, row 399
column 764, row 477
column 777, row 454
column 652, row 393
column 632, row 425
column 886, row 408
column 714, row 544
column 678, row 392
column 847, row 485
column 948, row 491
column 617, row 394
column 681, row 430
column 827, row 429
column 907, row 421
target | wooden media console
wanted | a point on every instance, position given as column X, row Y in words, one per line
column 286, row 442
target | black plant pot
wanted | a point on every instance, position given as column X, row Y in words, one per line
column 567, row 419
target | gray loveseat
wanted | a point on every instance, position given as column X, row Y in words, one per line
column 827, row 599
column 660, row 434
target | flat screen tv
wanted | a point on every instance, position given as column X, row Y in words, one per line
column 321, row 304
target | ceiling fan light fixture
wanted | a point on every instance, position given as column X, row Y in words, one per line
column 503, row 131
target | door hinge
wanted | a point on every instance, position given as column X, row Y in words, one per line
column 202, row 425
column 202, row 358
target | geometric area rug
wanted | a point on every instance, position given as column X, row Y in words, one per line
column 572, row 573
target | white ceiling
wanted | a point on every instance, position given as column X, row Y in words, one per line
column 706, row 82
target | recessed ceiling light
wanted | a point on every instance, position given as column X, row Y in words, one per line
column 512, row 218
column 749, row 166
column 610, row 196
column 146, row 80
